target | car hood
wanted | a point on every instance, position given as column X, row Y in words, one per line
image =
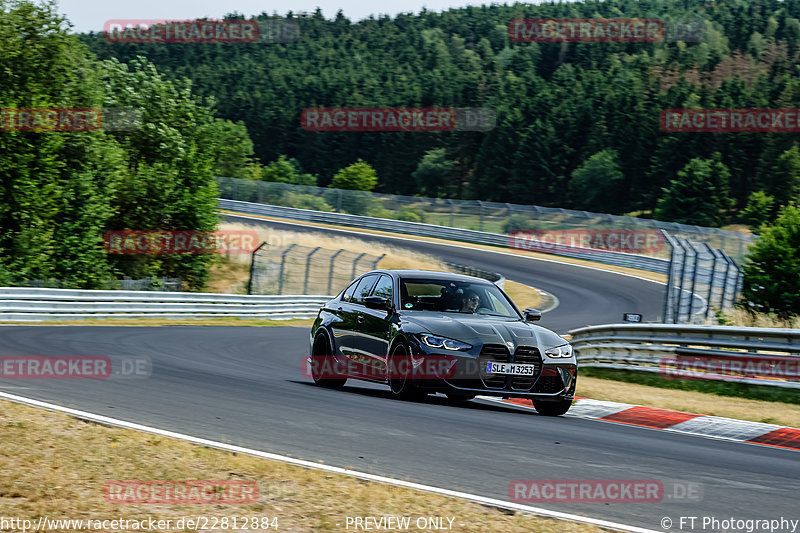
column 480, row 329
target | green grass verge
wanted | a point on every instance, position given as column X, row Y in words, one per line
column 720, row 388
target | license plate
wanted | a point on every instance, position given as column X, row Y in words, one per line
column 510, row 368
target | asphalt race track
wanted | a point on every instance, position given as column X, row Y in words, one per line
column 243, row 385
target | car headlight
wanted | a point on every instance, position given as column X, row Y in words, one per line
column 435, row 341
column 565, row 350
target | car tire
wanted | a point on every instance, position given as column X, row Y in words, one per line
column 553, row 408
column 322, row 347
column 459, row 397
column 403, row 388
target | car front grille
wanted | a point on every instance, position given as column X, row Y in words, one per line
column 527, row 355
column 495, row 353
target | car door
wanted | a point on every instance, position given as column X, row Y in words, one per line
column 351, row 312
column 343, row 327
column 374, row 329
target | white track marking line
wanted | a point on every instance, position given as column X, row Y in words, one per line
column 100, row 419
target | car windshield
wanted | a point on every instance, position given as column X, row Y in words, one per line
column 455, row 296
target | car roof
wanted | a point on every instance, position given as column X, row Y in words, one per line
column 430, row 274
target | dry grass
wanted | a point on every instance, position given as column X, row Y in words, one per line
column 621, row 270
column 742, row 318
column 524, row 296
column 56, row 466
column 689, row 401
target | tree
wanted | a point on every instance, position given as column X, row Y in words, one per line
column 285, row 170
column 758, row 210
column 359, row 176
column 597, row 181
column 234, row 149
column 784, row 181
column 433, row 174
column 771, row 280
column 698, row 196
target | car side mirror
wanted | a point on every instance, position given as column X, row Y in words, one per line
column 376, row 302
column 532, row 315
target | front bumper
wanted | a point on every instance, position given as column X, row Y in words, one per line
column 467, row 372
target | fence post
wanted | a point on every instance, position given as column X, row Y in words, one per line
column 480, row 221
column 261, row 192
column 711, row 282
column 670, row 277
column 253, row 266
column 339, row 202
column 728, row 261
column 680, row 282
column 283, row 265
column 694, row 279
column 736, row 282
column 355, row 264
column 330, row 274
column 308, row 267
column 452, row 211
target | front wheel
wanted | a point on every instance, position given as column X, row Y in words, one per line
column 459, row 397
column 400, row 379
column 323, row 364
column 553, row 408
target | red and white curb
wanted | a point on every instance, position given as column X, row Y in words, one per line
column 678, row 421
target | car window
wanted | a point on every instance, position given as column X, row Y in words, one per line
column 363, row 289
column 348, row 292
column 448, row 296
column 383, row 288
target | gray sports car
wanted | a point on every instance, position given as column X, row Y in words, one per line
column 422, row 332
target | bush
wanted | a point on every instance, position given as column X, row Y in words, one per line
column 380, row 212
column 307, row 201
column 410, row 215
column 517, row 222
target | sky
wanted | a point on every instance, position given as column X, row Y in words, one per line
column 89, row 15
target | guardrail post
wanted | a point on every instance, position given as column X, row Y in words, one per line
column 330, row 273
column 308, row 267
column 253, row 266
column 283, row 265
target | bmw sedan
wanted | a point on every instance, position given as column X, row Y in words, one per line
column 424, row 332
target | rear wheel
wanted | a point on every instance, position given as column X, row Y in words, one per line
column 400, row 379
column 322, row 364
column 553, row 408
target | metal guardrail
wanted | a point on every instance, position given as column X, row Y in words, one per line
column 23, row 303
column 708, row 352
column 652, row 264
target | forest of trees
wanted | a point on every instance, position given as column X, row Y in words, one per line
column 577, row 123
